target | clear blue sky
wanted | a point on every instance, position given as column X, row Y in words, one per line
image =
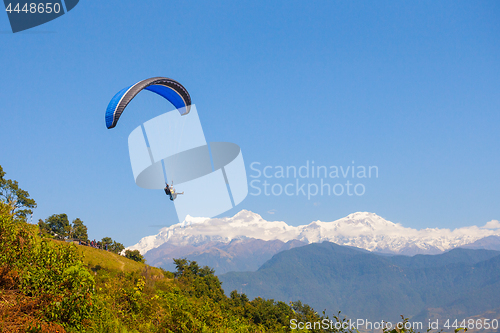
column 411, row 87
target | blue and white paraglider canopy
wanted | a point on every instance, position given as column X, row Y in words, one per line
column 170, row 89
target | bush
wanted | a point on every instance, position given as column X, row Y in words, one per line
column 52, row 275
column 134, row 255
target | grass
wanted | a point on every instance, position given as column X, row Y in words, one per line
column 108, row 260
column 96, row 258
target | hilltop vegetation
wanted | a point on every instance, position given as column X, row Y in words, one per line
column 48, row 285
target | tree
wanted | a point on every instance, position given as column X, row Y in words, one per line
column 116, row 247
column 203, row 280
column 189, row 268
column 238, row 299
column 106, row 241
column 44, row 229
column 113, row 246
column 134, row 255
column 17, row 200
column 59, row 225
column 79, row 230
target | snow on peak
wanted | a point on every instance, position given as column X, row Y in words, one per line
column 246, row 215
column 362, row 229
column 190, row 220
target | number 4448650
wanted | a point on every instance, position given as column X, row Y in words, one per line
column 33, row 8
column 473, row 324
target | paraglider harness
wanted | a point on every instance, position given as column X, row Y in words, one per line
column 168, row 192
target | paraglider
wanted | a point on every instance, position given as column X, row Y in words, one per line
column 171, row 146
column 170, row 89
column 170, row 190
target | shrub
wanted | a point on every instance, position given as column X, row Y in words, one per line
column 134, row 255
column 51, row 274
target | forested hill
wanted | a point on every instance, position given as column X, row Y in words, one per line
column 459, row 283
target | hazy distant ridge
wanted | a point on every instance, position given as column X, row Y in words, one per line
column 456, row 284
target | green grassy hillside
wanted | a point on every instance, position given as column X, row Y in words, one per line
column 96, row 259
column 54, row 286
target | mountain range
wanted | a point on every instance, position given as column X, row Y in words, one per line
column 237, row 255
column 246, row 241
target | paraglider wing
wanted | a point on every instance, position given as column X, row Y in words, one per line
column 170, row 89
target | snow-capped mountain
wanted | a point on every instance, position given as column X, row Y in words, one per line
column 364, row 230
